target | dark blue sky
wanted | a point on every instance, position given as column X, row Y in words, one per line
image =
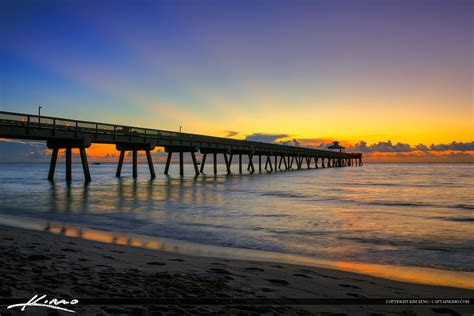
column 399, row 70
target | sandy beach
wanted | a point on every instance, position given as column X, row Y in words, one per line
column 39, row 262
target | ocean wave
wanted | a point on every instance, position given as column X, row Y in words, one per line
column 285, row 195
column 454, row 219
column 404, row 243
column 410, row 204
column 464, row 206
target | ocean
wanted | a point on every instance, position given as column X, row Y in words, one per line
column 381, row 214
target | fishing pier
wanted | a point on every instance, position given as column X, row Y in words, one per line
column 68, row 134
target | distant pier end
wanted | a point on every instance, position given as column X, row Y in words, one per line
column 61, row 133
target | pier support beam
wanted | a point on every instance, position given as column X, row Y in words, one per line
column 215, row 152
column 134, row 148
column 268, row 163
column 231, row 156
column 85, row 164
column 52, row 165
column 68, row 164
column 214, row 161
column 135, row 163
column 196, row 169
column 260, row 163
column 181, row 164
column 203, row 162
column 68, row 145
column 300, row 164
column 281, row 161
column 250, row 167
column 120, row 163
column 181, row 150
column 227, row 164
column 150, row 164
column 240, row 163
column 168, row 162
column 290, row 162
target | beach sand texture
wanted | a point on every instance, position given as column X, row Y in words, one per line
column 36, row 262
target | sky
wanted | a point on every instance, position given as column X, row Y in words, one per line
column 391, row 78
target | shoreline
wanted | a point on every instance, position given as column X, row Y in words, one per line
column 40, row 262
column 409, row 274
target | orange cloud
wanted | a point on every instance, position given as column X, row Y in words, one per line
column 420, row 156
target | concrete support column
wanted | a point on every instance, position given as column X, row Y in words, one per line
column 268, row 163
column 168, row 162
column 299, row 162
column 52, row 165
column 135, row 164
column 230, row 160
column 68, row 164
column 68, row 145
column 181, row 164
column 227, row 165
column 120, row 163
column 196, row 169
column 150, row 164
column 250, row 167
column 260, row 163
column 215, row 163
column 85, row 165
column 203, row 162
column 240, row 163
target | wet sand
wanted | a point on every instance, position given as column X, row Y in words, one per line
column 39, row 262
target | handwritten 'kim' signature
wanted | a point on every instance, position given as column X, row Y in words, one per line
column 40, row 301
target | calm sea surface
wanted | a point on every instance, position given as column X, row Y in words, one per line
column 419, row 215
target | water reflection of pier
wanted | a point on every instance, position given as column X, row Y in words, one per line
column 150, row 196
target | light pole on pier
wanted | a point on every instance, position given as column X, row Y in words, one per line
column 39, row 114
column 180, row 129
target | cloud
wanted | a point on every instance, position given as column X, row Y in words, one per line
column 23, row 151
column 292, row 142
column 317, row 142
column 453, row 146
column 420, row 156
column 381, row 147
column 231, row 133
column 266, row 138
column 388, row 146
column 421, row 147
